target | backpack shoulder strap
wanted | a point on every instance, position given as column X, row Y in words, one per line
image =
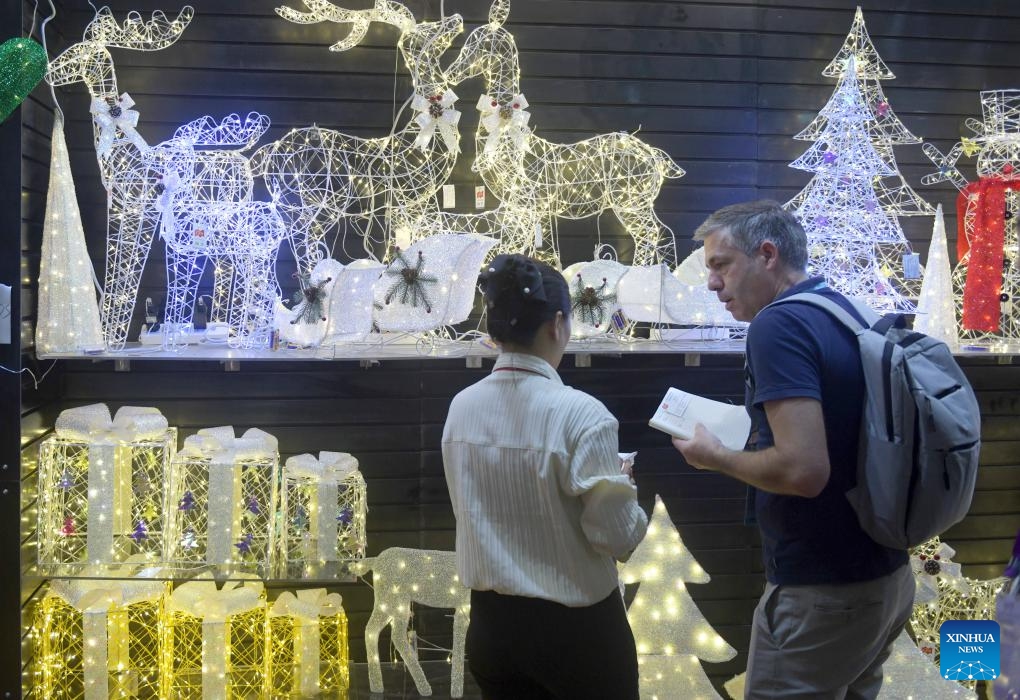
column 834, row 310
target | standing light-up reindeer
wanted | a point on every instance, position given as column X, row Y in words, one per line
column 321, row 176
column 151, row 187
column 610, row 171
column 402, row 577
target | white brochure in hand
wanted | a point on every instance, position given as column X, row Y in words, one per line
column 679, row 412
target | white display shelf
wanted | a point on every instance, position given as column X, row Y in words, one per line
column 401, row 348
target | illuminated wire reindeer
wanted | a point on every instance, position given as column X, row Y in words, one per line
column 322, row 176
column 159, row 187
column 610, row 171
column 402, row 577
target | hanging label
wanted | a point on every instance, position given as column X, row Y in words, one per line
column 480, row 197
column 538, row 235
column 912, row 266
column 449, row 197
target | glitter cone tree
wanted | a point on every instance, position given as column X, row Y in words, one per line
column 847, row 209
column 936, row 310
column 68, row 312
column 671, row 633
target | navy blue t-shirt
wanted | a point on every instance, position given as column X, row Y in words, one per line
column 800, row 351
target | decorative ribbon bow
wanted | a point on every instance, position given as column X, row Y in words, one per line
column 165, row 188
column 114, row 117
column 511, row 118
column 223, row 450
column 109, row 473
column 214, row 606
column 306, row 608
column 106, row 642
column 928, row 568
column 93, row 423
column 327, row 471
column 435, row 112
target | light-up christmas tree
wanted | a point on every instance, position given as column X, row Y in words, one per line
column 936, row 310
column 671, row 633
column 68, row 318
column 849, row 208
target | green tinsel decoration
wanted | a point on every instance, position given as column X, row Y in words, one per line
column 22, row 66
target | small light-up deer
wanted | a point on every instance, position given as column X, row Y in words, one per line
column 402, row 577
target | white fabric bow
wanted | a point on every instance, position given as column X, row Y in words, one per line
column 330, row 466
column 306, row 608
column 436, row 113
column 93, row 423
column 928, row 569
column 221, row 445
column 125, row 121
column 213, row 606
column 511, row 118
column 170, row 181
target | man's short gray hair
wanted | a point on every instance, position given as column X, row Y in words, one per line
column 749, row 224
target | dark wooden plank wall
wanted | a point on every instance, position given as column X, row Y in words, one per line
column 720, row 85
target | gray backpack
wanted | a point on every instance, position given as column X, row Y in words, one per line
column 920, row 430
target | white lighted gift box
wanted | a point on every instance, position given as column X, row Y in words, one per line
column 222, row 500
column 307, row 650
column 98, row 639
column 101, row 485
column 213, row 641
column 324, row 507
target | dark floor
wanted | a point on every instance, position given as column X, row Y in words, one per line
column 399, row 685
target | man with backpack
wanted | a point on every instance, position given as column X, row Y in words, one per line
column 835, row 598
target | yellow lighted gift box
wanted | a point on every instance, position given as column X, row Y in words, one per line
column 101, row 485
column 306, row 646
column 213, row 641
column 223, row 498
column 98, row 639
column 324, row 505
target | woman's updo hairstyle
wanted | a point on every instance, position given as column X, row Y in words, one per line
column 520, row 295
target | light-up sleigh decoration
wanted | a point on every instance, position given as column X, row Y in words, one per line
column 322, row 177
column 199, row 200
column 529, row 174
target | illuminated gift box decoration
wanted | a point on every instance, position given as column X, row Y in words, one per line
column 98, row 639
column 101, row 485
column 223, row 499
column 306, row 645
column 324, row 508
column 213, row 641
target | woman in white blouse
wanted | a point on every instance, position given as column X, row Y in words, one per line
column 543, row 510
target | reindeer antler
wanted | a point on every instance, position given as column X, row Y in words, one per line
column 385, row 11
column 158, row 33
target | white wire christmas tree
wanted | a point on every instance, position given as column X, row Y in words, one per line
column 68, row 313
column 670, row 631
column 848, row 210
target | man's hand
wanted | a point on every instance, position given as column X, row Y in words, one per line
column 702, row 450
